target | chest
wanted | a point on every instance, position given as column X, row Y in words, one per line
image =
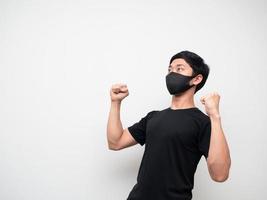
column 175, row 129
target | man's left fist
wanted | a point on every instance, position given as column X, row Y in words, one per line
column 211, row 103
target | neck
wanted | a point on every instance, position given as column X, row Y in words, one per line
column 184, row 100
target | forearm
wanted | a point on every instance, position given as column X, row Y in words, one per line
column 114, row 126
column 219, row 155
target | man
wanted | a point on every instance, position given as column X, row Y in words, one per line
column 175, row 137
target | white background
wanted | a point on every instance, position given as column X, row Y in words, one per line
column 58, row 60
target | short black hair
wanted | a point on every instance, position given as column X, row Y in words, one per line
column 196, row 63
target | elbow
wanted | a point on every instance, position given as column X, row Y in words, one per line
column 113, row 147
column 221, row 178
column 219, row 172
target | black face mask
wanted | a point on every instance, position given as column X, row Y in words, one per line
column 177, row 83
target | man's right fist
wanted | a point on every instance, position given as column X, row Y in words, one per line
column 118, row 92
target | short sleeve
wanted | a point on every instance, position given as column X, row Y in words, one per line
column 138, row 129
column 204, row 138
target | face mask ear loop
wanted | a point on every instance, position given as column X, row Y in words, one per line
column 193, row 76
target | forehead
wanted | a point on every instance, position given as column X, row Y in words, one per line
column 179, row 61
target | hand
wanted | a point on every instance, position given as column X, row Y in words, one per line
column 118, row 92
column 211, row 103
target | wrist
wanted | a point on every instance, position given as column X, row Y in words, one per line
column 215, row 116
column 115, row 102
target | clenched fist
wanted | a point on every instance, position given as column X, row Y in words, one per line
column 118, row 92
column 211, row 103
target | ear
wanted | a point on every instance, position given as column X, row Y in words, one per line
column 196, row 80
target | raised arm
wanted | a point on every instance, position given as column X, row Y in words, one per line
column 219, row 160
column 117, row 137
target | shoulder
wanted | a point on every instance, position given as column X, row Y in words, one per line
column 201, row 117
column 152, row 113
column 205, row 123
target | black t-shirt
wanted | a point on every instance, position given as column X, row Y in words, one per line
column 175, row 140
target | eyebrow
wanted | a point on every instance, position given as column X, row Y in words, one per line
column 176, row 65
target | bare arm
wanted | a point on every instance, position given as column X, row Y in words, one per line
column 117, row 137
column 219, row 160
column 114, row 127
